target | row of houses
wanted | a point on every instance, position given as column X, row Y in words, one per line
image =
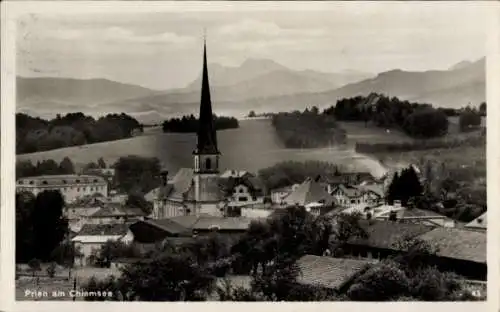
column 459, row 250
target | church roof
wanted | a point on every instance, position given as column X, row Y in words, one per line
column 181, row 187
column 207, row 137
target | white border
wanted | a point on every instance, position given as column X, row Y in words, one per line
column 11, row 10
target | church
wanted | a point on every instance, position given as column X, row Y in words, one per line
column 200, row 189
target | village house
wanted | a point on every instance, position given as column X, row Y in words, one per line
column 114, row 213
column 71, row 186
column 312, row 195
column 243, row 191
column 363, row 195
column 278, row 195
column 414, row 215
column 156, row 231
column 92, row 237
column 459, row 250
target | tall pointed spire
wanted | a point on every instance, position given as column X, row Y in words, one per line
column 207, row 137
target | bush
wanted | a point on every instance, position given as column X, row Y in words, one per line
column 190, row 123
column 426, row 123
column 469, row 119
column 51, row 269
column 307, row 130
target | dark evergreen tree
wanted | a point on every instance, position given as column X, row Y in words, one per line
column 49, row 225
column 66, row 166
column 393, row 189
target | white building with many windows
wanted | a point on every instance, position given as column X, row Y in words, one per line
column 71, row 186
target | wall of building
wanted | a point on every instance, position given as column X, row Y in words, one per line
column 69, row 192
column 254, row 213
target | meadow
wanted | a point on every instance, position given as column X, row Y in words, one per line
column 253, row 146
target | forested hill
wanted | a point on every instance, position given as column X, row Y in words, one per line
column 35, row 134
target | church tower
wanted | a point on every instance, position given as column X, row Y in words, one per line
column 206, row 155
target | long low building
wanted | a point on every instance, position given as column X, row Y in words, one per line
column 71, row 186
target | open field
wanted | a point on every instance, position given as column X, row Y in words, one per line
column 251, row 147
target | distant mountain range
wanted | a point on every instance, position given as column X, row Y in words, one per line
column 260, row 85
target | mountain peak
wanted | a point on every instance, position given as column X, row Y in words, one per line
column 262, row 63
column 461, row 64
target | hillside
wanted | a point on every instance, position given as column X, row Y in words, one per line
column 49, row 95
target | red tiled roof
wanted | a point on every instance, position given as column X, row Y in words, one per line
column 329, row 272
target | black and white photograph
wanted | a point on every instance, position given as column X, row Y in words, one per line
column 251, row 151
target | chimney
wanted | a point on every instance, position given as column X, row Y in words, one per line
column 164, row 177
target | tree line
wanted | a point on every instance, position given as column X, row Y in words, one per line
column 418, row 120
column 268, row 254
column 34, row 134
column 442, row 193
column 190, row 123
column 307, row 129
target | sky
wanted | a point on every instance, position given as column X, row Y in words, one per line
column 162, row 49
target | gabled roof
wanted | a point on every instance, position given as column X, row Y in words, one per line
column 309, row 192
column 478, row 223
column 350, row 191
column 168, row 225
column 384, row 234
column 375, row 188
column 111, row 210
column 103, row 229
column 458, row 243
column 253, row 184
column 329, row 272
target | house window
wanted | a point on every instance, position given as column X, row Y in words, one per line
column 352, row 201
column 208, row 164
column 241, row 190
column 243, row 198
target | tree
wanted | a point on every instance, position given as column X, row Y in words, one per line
column 101, row 163
column 25, row 206
column 393, row 189
column 482, row 109
column 167, row 277
column 35, row 266
column 405, row 186
column 49, row 225
column 252, row 114
column 426, row 123
column 66, row 166
column 114, row 250
column 137, row 173
column 469, row 119
column 51, row 269
column 383, row 282
column 137, row 200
